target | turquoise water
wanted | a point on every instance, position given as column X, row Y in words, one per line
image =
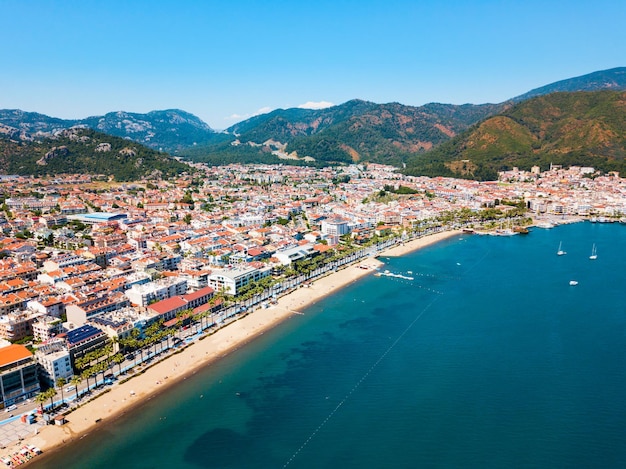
column 488, row 358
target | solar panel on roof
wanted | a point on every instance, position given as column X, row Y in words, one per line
column 81, row 333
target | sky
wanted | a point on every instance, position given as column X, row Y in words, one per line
column 226, row 61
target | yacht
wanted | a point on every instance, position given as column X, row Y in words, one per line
column 594, row 254
column 560, row 251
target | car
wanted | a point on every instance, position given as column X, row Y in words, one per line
column 10, row 408
column 70, row 388
column 130, row 356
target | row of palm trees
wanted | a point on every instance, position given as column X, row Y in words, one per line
column 100, row 360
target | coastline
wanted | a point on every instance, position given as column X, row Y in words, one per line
column 125, row 396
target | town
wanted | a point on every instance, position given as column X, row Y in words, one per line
column 98, row 278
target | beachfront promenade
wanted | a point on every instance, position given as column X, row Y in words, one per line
column 166, row 363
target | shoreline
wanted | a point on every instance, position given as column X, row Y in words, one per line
column 132, row 393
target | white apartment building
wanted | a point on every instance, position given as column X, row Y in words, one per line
column 143, row 295
column 230, row 280
column 55, row 363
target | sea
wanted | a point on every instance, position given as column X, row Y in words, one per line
column 487, row 357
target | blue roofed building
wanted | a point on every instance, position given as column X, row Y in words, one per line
column 98, row 217
column 83, row 340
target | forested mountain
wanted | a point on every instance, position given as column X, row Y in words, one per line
column 354, row 131
column 581, row 128
column 363, row 131
column 612, row 80
column 85, row 151
column 169, row 130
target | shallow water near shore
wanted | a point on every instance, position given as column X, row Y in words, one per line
column 487, row 358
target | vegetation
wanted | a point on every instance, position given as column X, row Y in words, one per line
column 169, row 130
column 584, row 128
column 75, row 151
column 351, row 132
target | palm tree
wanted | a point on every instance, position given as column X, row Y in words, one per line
column 76, row 380
column 60, row 383
column 40, row 399
column 50, row 393
column 119, row 359
column 86, row 374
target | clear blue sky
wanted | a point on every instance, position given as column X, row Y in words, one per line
column 227, row 60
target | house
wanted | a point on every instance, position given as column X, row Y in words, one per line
column 19, row 378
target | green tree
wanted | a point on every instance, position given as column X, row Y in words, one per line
column 75, row 381
column 60, row 383
column 40, row 399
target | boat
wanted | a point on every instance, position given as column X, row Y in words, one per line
column 521, row 230
column 546, row 225
column 573, row 283
column 594, row 254
column 560, row 251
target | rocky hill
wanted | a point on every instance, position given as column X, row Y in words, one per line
column 354, row 131
column 170, row 130
column 85, row 151
column 611, row 80
column 581, row 128
column 363, row 131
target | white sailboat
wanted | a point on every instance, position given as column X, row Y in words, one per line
column 594, row 254
column 560, row 251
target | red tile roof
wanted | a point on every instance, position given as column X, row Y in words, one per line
column 13, row 353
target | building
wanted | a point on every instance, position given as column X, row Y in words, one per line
column 54, row 361
column 96, row 218
column 232, row 279
column 46, row 327
column 17, row 325
column 83, row 340
column 335, row 227
column 169, row 308
column 78, row 314
column 298, row 253
column 18, row 375
column 143, row 295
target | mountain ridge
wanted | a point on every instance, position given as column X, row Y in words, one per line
column 586, row 128
column 355, row 131
column 167, row 130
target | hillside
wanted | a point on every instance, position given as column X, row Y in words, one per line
column 85, row 151
column 354, row 131
column 363, row 131
column 611, row 80
column 169, row 130
column 581, row 128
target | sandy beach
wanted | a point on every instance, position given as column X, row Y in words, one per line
column 122, row 397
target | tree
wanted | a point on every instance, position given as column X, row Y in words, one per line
column 50, row 393
column 60, row 383
column 75, row 381
column 86, row 375
column 40, row 399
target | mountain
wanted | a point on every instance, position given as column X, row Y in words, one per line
column 579, row 128
column 363, row 131
column 613, row 79
column 354, row 131
column 85, row 151
column 169, row 130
